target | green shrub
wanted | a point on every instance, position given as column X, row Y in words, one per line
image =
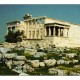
column 19, row 52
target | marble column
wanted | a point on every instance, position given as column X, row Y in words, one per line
column 45, row 31
column 28, row 30
column 53, row 31
column 49, row 31
column 35, row 29
column 59, row 31
column 39, row 33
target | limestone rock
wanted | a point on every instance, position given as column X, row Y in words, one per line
column 24, row 68
column 60, row 62
column 4, row 50
column 35, row 63
column 50, row 62
column 71, row 55
column 30, row 51
column 10, row 55
column 67, row 62
column 23, row 74
column 61, row 72
column 53, row 71
column 39, row 54
column 21, row 58
column 18, row 62
column 42, row 64
column 76, row 66
column 9, row 63
column 75, row 61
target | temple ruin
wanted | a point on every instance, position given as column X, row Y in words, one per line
column 47, row 31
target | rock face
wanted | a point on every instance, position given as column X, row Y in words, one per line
column 4, row 50
column 60, row 62
column 24, row 68
column 35, row 63
column 71, row 55
column 18, row 62
column 10, row 55
column 9, row 64
column 42, row 64
column 75, row 61
column 22, row 58
column 50, row 62
column 23, row 74
column 53, row 71
column 39, row 54
column 30, row 51
column 67, row 62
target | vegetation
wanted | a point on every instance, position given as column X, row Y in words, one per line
column 14, row 37
column 4, row 70
column 19, row 52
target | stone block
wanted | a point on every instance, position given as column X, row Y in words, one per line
column 50, row 62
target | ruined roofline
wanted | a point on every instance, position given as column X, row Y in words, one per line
column 43, row 17
column 40, row 17
column 70, row 23
column 16, row 21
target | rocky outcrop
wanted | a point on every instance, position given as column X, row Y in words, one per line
column 35, row 63
column 60, row 62
column 71, row 55
column 30, row 51
column 21, row 58
column 50, row 62
column 42, row 64
column 10, row 55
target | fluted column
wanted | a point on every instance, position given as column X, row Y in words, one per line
column 54, row 31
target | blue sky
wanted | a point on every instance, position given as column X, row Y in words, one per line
column 70, row 13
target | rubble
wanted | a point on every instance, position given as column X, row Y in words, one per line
column 50, row 62
column 71, row 55
column 35, row 63
column 60, row 62
column 30, row 51
column 21, row 58
column 42, row 64
column 39, row 54
column 10, row 55
column 40, row 60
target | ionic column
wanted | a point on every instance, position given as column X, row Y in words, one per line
column 49, row 31
column 35, row 29
column 39, row 33
column 53, row 31
column 59, row 31
column 67, row 32
column 28, row 30
column 31, row 34
column 45, row 32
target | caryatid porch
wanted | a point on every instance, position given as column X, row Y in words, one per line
column 56, row 29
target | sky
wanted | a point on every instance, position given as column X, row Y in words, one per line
column 69, row 13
